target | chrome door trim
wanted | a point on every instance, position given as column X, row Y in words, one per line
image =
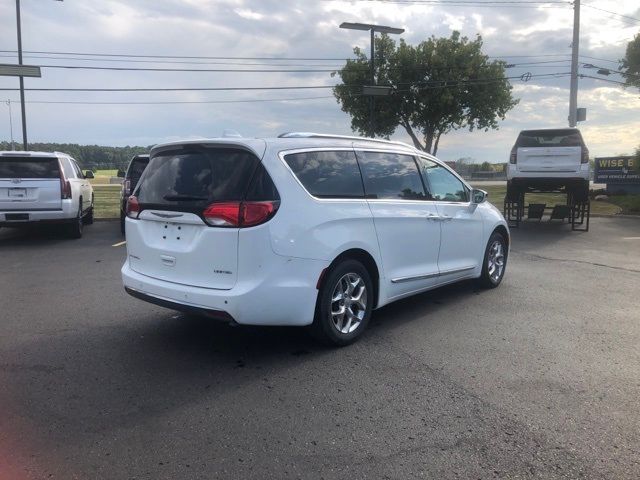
column 431, row 275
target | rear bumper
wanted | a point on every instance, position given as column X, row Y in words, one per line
column 286, row 295
column 581, row 173
column 181, row 307
column 18, row 217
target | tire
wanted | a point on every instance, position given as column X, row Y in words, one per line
column 331, row 328
column 88, row 218
column 74, row 229
column 495, row 256
column 512, row 192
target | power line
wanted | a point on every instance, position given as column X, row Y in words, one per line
column 220, row 70
column 438, row 83
column 191, row 57
column 259, row 100
column 633, row 19
column 474, row 3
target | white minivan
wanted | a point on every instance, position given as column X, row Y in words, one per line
column 304, row 229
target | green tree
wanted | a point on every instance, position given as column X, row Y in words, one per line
column 440, row 85
column 630, row 64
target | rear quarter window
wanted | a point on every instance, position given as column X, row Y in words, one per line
column 29, row 167
column 327, row 174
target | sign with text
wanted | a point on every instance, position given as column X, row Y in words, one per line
column 617, row 170
column 11, row 70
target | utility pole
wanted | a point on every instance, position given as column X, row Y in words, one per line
column 22, row 105
column 575, row 48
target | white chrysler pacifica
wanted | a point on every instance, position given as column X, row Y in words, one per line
column 304, row 229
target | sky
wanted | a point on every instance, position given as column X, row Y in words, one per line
column 297, row 35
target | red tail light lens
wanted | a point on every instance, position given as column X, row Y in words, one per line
column 585, row 155
column 255, row 213
column 513, row 158
column 127, row 187
column 65, row 189
column 133, row 207
column 223, row 214
column 240, row 214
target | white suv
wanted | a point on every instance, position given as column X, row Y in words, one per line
column 44, row 187
column 549, row 160
column 304, row 229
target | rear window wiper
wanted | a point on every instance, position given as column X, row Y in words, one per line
column 186, row 198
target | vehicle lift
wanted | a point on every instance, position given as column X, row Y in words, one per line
column 576, row 210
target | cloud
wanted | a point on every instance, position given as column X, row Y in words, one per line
column 298, row 29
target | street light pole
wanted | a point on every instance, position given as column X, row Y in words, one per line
column 575, row 46
column 373, row 29
column 372, row 100
column 22, row 104
column 8, row 102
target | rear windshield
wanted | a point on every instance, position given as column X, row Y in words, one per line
column 550, row 138
column 29, row 167
column 196, row 178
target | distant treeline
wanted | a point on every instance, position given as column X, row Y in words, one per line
column 93, row 157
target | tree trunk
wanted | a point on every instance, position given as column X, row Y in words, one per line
column 435, row 147
column 428, row 138
column 414, row 138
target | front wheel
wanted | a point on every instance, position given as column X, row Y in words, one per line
column 495, row 261
column 344, row 306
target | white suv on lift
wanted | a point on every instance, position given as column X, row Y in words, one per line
column 44, row 187
column 304, row 229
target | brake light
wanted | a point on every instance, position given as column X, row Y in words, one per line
column 127, row 187
column 585, row 155
column 513, row 158
column 239, row 214
column 65, row 185
column 133, row 207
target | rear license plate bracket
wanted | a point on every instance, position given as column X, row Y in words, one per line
column 17, row 192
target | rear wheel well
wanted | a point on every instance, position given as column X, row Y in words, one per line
column 365, row 259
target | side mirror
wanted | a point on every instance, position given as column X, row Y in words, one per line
column 88, row 174
column 120, row 174
column 478, row 196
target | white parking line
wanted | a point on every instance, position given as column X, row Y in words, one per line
column 631, row 238
column 119, row 244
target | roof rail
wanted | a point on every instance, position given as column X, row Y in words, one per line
column 342, row 137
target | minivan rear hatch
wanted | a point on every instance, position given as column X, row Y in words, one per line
column 29, row 183
column 170, row 240
column 549, row 151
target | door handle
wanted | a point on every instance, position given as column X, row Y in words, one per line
column 434, row 217
column 446, row 218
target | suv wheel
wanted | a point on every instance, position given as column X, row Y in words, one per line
column 88, row 218
column 344, row 306
column 75, row 227
column 495, row 261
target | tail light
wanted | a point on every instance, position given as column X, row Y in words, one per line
column 239, row 214
column 127, row 187
column 65, row 185
column 513, row 158
column 585, row 155
column 133, row 207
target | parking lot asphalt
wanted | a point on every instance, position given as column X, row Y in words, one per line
column 538, row 378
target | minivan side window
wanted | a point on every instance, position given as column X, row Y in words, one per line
column 391, row 175
column 442, row 184
column 327, row 174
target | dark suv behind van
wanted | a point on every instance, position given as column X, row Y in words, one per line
column 134, row 171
